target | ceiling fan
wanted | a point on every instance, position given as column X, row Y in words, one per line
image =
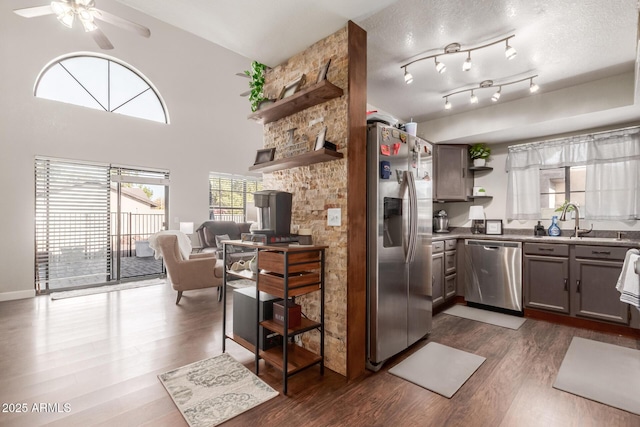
column 67, row 10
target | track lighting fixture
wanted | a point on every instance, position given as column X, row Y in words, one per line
column 509, row 51
column 453, row 48
column 489, row 84
column 408, row 78
column 466, row 65
column 496, row 95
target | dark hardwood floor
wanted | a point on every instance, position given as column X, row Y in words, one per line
column 101, row 355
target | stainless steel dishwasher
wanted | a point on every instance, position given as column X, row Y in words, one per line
column 493, row 273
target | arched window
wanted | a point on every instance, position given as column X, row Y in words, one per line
column 103, row 83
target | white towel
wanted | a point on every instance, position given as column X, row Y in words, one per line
column 184, row 243
column 629, row 281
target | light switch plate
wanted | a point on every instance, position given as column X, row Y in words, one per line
column 334, row 217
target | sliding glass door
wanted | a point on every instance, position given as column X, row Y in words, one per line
column 93, row 221
column 139, row 200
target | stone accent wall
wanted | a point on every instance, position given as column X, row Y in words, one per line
column 318, row 187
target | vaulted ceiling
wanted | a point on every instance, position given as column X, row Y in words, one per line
column 584, row 54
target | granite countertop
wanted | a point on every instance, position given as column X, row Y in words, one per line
column 601, row 238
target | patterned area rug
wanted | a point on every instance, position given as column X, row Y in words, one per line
column 104, row 289
column 213, row 390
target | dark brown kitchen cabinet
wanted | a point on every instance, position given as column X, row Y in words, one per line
column 595, row 271
column 453, row 181
column 546, row 277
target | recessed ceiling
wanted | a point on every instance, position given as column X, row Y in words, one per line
column 565, row 43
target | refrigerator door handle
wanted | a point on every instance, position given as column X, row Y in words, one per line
column 406, row 217
column 413, row 212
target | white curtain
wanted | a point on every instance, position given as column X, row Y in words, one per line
column 612, row 161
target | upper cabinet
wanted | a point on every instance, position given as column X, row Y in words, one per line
column 454, row 174
column 453, row 179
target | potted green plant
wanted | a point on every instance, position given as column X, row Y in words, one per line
column 479, row 153
column 256, row 84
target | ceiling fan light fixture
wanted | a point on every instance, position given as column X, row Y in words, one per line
column 509, row 51
column 67, row 18
column 474, row 98
column 89, row 25
column 466, row 65
column 440, row 67
column 447, row 104
column 408, row 78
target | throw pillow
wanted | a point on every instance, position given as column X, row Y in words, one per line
column 220, row 238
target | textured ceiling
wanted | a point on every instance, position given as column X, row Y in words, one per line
column 564, row 42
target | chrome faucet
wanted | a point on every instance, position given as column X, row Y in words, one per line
column 576, row 229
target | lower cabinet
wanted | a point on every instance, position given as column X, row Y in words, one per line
column 595, row 271
column 546, row 276
column 575, row 280
column 443, row 266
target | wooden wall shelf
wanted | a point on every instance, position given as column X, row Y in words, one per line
column 313, row 95
column 304, row 159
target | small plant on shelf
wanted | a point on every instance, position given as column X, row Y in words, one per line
column 256, row 84
column 479, row 153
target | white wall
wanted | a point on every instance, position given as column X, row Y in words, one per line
column 495, row 183
column 208, row 131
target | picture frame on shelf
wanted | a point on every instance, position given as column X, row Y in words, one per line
column 320, row 139
column 322, row 74
column 264, row 155
column 291, row 88
column 493, row 226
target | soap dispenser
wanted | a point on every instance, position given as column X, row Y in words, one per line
column 539, row 230
column 554, row 230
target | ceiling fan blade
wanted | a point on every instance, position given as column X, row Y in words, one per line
column 245, row 93
column 32, row 12
column 101, row 39
column 121, row 22
column 242, row 75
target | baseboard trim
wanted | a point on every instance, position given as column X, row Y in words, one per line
column 10, row 296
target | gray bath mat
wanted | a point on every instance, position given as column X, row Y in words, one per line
column 438, row 368
column 606, row 373
column 486, row 316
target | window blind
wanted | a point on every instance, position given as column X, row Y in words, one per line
column 71, row 224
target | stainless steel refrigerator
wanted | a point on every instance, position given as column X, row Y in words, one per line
column 399, row 227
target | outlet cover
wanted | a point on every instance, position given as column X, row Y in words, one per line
column 334, row 217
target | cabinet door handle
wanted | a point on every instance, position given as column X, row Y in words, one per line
column 463, row 173
column 546, row 249
column 601, row 252
column 578, row 287
column 566, row 284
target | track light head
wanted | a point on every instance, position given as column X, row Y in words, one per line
column 408, row 78
column 474, row 98
column 533, row 88
column 466, row 66
column 440, row 67
column 496, row 95
column 509, row 51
